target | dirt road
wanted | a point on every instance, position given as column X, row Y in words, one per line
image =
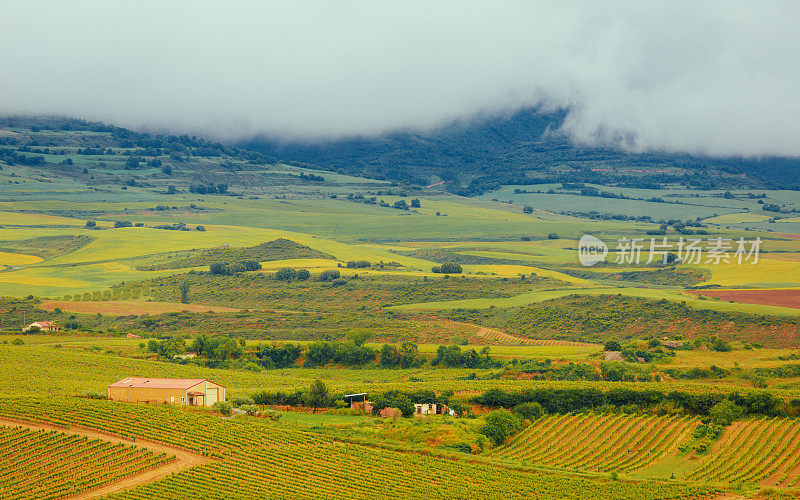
column 183, row 458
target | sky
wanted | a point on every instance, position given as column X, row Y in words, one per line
column 709, row 77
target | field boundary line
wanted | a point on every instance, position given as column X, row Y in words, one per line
column 183, row 458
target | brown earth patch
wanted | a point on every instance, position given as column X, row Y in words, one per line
column 781, row 298
column 128, row 307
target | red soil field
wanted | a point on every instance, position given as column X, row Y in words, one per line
column 127, row 307
column 782, row 298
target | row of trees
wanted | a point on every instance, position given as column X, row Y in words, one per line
column 452, row 356
column 570, row 400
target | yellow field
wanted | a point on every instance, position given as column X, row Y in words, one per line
column 17, row 219
column 767, row 272
column 18, row 259
column 127, row 307
column 737, row 218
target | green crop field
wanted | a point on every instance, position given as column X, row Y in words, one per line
column 622, row 380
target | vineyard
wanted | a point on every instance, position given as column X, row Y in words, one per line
column 41, row 464
column 765, row 451
column 266, row 459
column 610, row 442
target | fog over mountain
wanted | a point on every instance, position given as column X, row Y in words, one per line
column 710, row 77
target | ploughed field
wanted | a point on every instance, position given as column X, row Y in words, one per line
column 781, row 298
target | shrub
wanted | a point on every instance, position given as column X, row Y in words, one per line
column 529, row 411
column 249, row 409
column 612, row 345
column 552, row 236
column 447, row 268
column 500, row 425
column 123, row 223
column 303, row 274
column 238, row 400
column 329, row 275
column 223, row 407
column 725, row 412
column 285, row 274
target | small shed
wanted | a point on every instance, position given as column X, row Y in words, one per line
column 359, row 401
column 182, row 391
column 44, row 326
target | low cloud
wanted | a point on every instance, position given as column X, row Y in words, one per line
column 702, row 77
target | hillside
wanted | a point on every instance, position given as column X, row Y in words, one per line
column 475, row 156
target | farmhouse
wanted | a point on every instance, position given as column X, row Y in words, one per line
column 182, row 391
column 44, row 326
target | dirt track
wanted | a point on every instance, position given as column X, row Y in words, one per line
column 183, row 458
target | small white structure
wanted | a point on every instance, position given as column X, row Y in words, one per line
column 432, row 409
column 43, row 326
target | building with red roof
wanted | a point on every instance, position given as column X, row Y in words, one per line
column 182, row 391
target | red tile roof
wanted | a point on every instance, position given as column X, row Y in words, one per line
column 158, row 383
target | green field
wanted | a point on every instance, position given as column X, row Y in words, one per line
column 619, row 377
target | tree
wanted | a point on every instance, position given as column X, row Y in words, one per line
column 401, row 205
column 500, row 424
column 612, row 345
column 447, row 268
column 285, row 274
column 552, row 236
column 329, row 275
column 91, row 223
column 303, row 274
column 223, row 407
column 415, row 203
column 184, row 288
column 527, row 209
column 725, row 412
column 529, row 411
column 359, row 335
column 318, row 395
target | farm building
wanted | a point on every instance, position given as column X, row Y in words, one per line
column 432, row 409
column 44, row 326
column 359, row 402
column 183, row 391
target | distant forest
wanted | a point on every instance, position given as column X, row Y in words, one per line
column 477, row 156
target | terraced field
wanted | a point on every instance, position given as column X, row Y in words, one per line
column 39, row 464
column 763, row 451
column 609, row 442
